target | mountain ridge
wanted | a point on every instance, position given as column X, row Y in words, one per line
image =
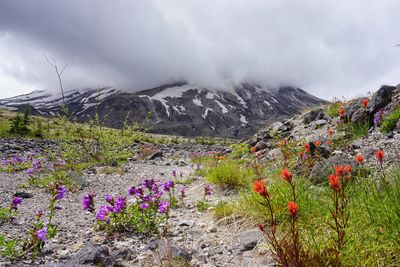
column 176, row 108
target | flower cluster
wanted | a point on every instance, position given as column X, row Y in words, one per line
column 145, row 206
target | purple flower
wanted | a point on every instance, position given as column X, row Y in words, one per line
column 109, row 199
column 60, row 193
column 41, row 234
column 378, row 117
column 30, row 172
column 15, row 202
column 132, row 191
column 207, row 190
column 174, row 173
column 102, row 214
column 37, row 165
column 148, row 183
column 88, row 202
column 139, row 192
column 163, row 206
column 168, row 185
column 143, row 206
column 120, row 204
column 146, row 198
column 181, row 174
column 17, row 159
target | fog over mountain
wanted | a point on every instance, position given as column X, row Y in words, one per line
column 329, row 48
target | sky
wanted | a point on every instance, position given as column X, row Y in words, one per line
column 329, row 48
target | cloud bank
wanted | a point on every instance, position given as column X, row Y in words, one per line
column 329, row 48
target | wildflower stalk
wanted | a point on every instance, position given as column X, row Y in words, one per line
column 339, row 182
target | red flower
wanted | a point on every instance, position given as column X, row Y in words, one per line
column 339, row 170
column 293, row 208
column 360, row 159
column 259, row 187
column 287, row 175
column 307, row 147
column 341, row 111
column 317, row 143
column 253, row 149
column 330, row 132
column 334, row 182
column 364, row 103
column 379, row 155
column 347, row 169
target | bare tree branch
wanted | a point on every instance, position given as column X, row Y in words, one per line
column 53, row 64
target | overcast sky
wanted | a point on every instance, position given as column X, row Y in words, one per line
column 329, row 48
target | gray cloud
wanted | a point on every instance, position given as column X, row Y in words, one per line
column 327, row 47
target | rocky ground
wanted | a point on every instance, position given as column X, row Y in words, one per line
column 315, row 125
column 194, row 236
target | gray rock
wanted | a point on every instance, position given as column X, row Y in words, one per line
column 261, row 145
column 78, row 179
column 381, row 98
column 322, row 169
column 23, row 195
column 316, row 114
column 93, row 254
column 158, row 154
column 168, row 249
column 356, row 144
column 320, row 122
column 278, row 127
column 249, row 239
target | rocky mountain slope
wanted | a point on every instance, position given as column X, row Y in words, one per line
column 178, row 108
column 340, row 137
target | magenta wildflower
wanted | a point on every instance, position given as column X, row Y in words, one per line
column 30, row 172
column 60, row 193
column 88, row 202
column 207, row 190
column 378, row 117
column 168, row 185
column 144, row 205
column 15, row 202
column 41, row 233
column 163, row 206
column 120, row 204
column 131, row 191
column 102, row 214
column 109, row 199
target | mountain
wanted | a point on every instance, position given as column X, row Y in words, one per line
column 177, row 108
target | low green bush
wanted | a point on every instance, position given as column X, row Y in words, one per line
column 389, row 123
column 230, row 174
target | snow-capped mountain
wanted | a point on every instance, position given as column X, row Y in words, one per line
column 177, row 108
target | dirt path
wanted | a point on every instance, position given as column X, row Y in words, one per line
column 193, row 235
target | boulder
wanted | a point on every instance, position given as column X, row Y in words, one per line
column 249, row 239
column 321, row 170
column 316, row 114
column 381, row 98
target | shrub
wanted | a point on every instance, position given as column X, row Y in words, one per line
column 223, row 209
column 230, row 173
column 389, row 123
column 333, row 109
